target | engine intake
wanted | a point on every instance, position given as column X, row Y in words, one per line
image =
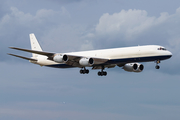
column 60, row 58
column 86, row 61
column 133, row 67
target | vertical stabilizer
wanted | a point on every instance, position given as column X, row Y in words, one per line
column 34, row 45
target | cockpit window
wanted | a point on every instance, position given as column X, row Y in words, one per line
column 162, row 48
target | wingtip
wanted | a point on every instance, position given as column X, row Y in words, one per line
column 10, row 54
column 16, row 48
column 11, row 47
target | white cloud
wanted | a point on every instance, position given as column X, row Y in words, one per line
column 135, row 26
column 87, row 45
column 44, row 18
column 128, row 24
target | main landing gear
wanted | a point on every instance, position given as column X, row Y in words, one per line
column 84, row 71
column 102, row 73
column 157, row 62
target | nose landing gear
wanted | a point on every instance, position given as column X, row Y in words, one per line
column 157, row 62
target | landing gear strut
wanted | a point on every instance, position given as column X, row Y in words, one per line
column 102, row 73
column 84, row 71
column 157, row 62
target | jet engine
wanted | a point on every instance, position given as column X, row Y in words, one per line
column 60, row 58
column 133, row 67
column 86, row 61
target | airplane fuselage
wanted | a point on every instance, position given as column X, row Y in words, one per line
column 117, row 56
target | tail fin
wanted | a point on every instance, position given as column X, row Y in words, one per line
column 34, row 45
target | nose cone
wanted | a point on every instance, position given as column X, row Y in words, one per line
column 169, row 54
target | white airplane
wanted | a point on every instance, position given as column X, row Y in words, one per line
column 126, row 57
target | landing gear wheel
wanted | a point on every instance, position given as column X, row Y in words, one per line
column 102, row 73
column 157, row 67
column 87, row 71
column 157, row 62
column 81, row 71
column 99, row 73
column 84, row 71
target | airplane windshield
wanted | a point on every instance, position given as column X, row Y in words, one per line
column 162, row 48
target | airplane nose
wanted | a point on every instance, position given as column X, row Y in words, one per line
column 169, row 53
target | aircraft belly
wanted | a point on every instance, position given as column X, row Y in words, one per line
column 59, row 66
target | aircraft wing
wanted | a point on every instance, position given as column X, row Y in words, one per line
column 73, row 60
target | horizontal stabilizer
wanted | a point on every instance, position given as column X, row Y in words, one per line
column 22, row 57
column 34, row 51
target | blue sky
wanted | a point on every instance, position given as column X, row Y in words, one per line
column 32, row 92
